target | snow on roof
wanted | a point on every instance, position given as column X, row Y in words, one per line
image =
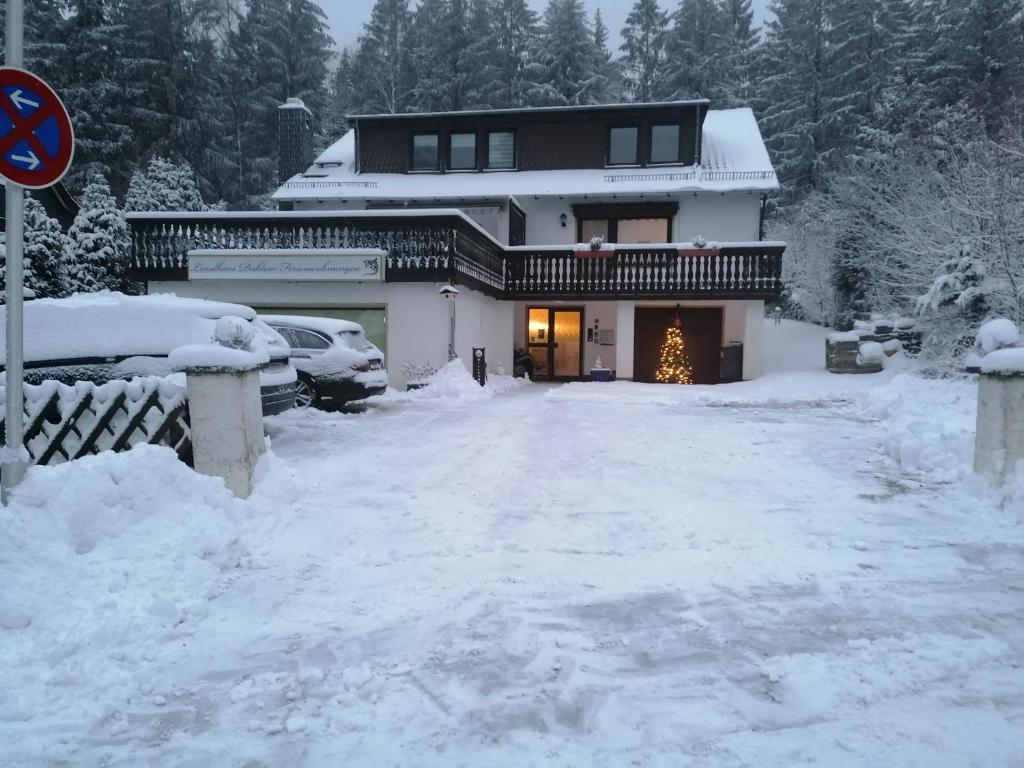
column 328, row 325
column 114, row 325
column 732, row 142
column 734, row 159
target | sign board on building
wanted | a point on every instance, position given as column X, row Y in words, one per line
column 36, row 138
column 287, row 264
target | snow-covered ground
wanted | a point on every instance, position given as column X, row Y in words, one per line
column 795, row 570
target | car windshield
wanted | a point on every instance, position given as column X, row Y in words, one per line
column 355, row 340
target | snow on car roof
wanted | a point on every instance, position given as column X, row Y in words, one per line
column 328, row 325
column 114, row 325
column 734, row 158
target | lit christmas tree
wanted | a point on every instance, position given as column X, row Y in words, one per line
column 674, row 367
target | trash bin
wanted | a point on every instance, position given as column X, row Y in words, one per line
column 732, row 362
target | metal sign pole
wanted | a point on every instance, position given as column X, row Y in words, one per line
column 13, row 465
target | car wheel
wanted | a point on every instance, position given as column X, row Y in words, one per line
column 305, row 393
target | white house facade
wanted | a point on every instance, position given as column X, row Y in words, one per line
column 576, row 234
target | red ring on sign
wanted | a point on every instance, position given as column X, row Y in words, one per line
column 51, row 169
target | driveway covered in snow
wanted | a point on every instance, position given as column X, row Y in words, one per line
column 788, row 571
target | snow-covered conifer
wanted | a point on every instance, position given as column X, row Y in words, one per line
column 99, row 237
column 643, row 49
column 164, row 186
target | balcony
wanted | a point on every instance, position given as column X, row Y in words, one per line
column 446, row 246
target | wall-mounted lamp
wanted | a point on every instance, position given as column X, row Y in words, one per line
column 563, row 219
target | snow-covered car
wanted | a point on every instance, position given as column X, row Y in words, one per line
column 100, row 337
column 335, row 361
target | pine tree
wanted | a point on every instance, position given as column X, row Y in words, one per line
column 48, row 253
column 166, row 69
column 43, row 37
column 793, row 119
column 693, row 66
column 342, row 99
column 568, row 56
column 100, row 241
column 608, row 88
column 382, row 65
column 854, row 82
column 738, row 43
column 164, row 186
column 480, row 73
column 514, row 72
column 643, row 47
column 674, row 364
column 95, row 94
column 439, row 56
column 975, row 56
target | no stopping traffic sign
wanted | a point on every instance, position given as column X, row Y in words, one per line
column 36, row 138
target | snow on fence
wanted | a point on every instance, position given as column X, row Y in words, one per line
column 63, row 422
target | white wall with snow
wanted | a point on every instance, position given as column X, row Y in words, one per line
column 417, row 317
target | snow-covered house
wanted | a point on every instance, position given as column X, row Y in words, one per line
column 571, row 232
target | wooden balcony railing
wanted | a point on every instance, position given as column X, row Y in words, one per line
column 742, row 271
column 436, row 246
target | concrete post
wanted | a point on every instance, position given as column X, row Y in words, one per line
column 227, row 424
column 999, row 437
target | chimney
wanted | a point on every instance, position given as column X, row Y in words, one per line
column 295, row 139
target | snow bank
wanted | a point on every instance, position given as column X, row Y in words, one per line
column 928, row 423
column 454, row 382
column 118, row 552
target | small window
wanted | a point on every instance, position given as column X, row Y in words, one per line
column 622, row 146
column 462, row 151
column 501, row 150
column 424, row 152
column 665, row 144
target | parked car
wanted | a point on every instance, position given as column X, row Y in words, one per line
column 100, row 337
column 335, row 361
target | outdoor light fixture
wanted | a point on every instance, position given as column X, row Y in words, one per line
column 449, row 292
column 563, row 219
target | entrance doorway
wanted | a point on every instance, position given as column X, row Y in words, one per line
column 554, row 340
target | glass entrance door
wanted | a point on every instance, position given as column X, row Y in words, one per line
column 555, row 342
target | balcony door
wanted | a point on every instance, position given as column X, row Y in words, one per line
column 555, row 342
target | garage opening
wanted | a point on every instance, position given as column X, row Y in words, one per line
column 702, row 335
column 373, row 319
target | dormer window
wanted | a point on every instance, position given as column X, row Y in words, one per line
column 501, row 151
column 622, row 145
column 665, row 144
column 462, row 151
column 425, row 155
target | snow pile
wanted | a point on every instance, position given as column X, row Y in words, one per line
column 454, row 382
column 105, row 560
column 997, row 334
column 1004, row 361
column 929, row 423
column 1001, row 340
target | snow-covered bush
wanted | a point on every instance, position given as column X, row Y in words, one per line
column 164, row 186
column 99, row 237
column 48, row 255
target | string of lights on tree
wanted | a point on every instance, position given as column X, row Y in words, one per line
column 674, row 366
